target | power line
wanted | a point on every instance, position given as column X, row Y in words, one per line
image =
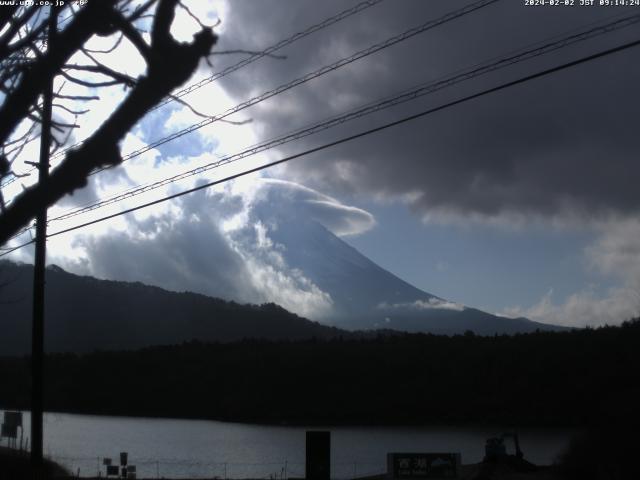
column 32, row 169
column 349, row 138
column 403, row 97
column 268, row 51
column 407, row 34
column 243, row 63
column 410, row 33
column 21, row 232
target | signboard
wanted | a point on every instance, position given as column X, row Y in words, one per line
column 10, row 431
column 112, row 470
column 106, row 461
column 123, row 458
column 422, row 465
column 131, row 469
column 13, row 419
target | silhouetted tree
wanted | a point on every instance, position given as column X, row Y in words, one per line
column 579, row 378
column 27, row 65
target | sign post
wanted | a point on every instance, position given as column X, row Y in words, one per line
column 9, row 429
column 318, row 464
column 417, row 466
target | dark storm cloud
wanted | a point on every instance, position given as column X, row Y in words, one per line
column 566, row 144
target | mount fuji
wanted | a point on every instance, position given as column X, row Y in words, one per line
column 365, row 296
column 85, row 313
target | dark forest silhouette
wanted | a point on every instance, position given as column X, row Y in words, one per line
column 85, row 314
column 578, row 378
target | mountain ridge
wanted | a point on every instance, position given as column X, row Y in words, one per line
column 84, row 313
column 367, row 296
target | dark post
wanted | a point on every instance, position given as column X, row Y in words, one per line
column 37, row 332
column 318, row 465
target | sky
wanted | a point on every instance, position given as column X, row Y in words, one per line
column 522, row 202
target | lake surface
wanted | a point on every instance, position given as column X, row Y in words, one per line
column 206, row 449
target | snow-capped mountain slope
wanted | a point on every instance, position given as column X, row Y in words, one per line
column 367, row 296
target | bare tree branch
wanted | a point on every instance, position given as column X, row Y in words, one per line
column 6, row 50
column 76, row 97
column 15, row 24
column 108, row 50
column 86, row 22
column 194, row 17
column 141, row 10
column 72, row 112
column 103, row 70
column 169, row 65
column 89, row 84
column 133, row 36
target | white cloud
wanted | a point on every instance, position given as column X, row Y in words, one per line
column 585, row 308
column 289, row 288
column 301, row 201
column 617, row 251
column 431, row 304
column 616, row 255
column 217, row 242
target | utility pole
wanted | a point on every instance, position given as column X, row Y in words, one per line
column 37, row 332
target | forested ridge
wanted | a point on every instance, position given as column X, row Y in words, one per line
column 577, row 378
column 86, row 314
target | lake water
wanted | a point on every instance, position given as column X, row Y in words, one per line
column 198, row 448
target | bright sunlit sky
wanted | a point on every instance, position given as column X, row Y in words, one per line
column 522, row 202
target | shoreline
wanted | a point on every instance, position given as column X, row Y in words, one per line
column 315, row 424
